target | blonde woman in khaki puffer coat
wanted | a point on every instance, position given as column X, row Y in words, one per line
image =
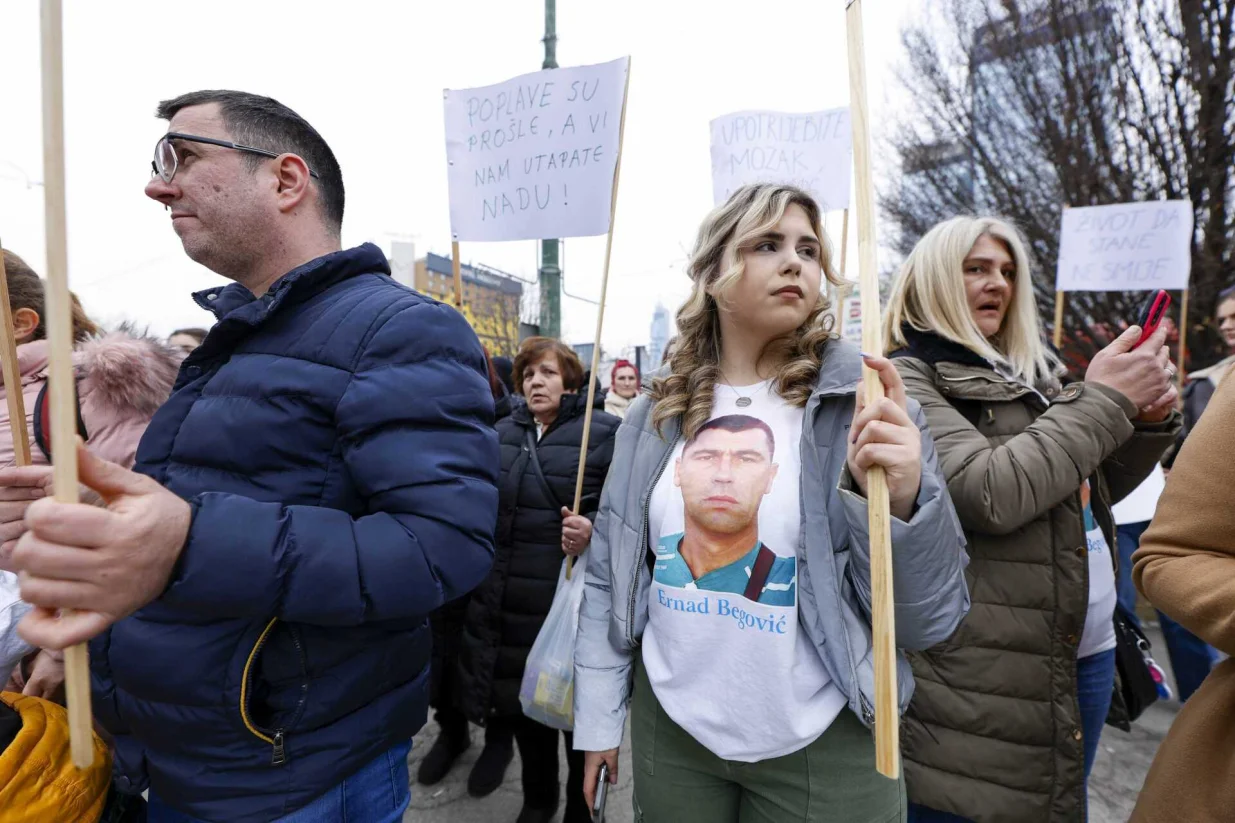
column 1006, row 717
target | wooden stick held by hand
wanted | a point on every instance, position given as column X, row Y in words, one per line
column 600, row 318
column 12, row 374
column 844, row 243
column 1057, row 333
column 883, row 616
column 60, row 335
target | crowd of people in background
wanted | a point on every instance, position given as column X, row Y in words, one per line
column 333, row 510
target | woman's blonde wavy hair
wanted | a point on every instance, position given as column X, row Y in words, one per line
column 715, row 266
column 929, row 295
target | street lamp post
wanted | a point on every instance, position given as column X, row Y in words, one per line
column 550, row 272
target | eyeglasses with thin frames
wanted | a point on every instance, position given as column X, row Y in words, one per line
column 166, row 161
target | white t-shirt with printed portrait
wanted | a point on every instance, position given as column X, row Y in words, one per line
column 1099, row 632
column 736, row 672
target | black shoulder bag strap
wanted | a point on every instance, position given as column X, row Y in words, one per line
column 530, row 444
column 42, row 420
column 759, row 574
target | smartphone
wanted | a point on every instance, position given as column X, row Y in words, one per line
column 1152, row 313
column 602, row 794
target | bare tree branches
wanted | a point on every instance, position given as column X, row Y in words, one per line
column 1020, row 107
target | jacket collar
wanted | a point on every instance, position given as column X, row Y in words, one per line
column 573, row 405
column 1214, row 373
column 840, row 368
column 235, row 302
column 967, row 375
column 32, row 359
column 932, row 349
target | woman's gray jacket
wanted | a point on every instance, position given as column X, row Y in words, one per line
column 834, row 582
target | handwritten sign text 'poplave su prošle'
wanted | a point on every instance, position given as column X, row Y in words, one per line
column 533, row 157
column 813, row 151
column 1126, row 247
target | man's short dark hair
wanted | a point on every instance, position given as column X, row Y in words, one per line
column 265, row 123
column 736, row 423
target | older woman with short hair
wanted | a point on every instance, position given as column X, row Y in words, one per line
column 540, row 445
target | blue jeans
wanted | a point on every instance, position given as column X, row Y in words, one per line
column 1191, row 657
column 1095, row 680
column 378, row 793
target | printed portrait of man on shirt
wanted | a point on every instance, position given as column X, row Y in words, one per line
column 723, row 474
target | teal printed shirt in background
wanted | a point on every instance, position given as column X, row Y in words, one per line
column 779, row 590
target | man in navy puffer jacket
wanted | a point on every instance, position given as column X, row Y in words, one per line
column 322, row 478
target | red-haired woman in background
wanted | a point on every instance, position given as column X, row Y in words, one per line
column 623, row 388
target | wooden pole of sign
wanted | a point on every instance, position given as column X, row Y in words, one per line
column 883, row 617
column 1057, row 334
column 600, row 315
column 844, row 241
column 12, row 375
column 844, row 254
column 60, row 337
column 457, row 271
column 1183, row 337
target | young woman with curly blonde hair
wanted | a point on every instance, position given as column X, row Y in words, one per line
column 728, row 580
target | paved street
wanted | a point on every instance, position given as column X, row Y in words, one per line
column 1118, row 774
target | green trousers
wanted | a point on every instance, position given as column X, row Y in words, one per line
column 833, row 780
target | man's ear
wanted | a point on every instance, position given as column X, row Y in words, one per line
column 293, row 178
column 25, row 324
column 772, row 478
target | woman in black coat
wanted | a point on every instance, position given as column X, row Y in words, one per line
column 535, row 530
column 444, row 686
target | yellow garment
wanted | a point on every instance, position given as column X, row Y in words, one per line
column 38, row 782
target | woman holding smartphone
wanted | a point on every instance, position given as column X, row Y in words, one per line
column 1007, row 714
column 728, row 582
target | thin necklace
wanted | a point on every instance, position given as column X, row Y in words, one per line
column 743, row 400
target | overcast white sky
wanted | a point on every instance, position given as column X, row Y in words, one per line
column 369, row 76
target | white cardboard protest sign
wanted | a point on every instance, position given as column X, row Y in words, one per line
column 534, row 156
column 812, row 151
column 1126, row 247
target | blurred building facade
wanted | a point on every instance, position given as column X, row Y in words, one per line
column 493, row 301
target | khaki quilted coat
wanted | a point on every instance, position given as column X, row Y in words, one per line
column 994, row 733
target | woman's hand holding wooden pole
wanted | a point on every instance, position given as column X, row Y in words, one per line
column 883, row 619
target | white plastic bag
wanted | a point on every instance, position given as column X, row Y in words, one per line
column 548, row 689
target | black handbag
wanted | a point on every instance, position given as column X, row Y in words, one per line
column 1133, row 662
